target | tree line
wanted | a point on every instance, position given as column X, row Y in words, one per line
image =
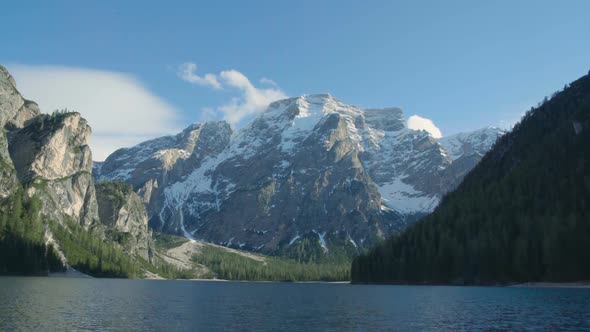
column 233, row 266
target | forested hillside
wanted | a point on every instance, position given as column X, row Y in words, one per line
column 22, row 243
column 24, row 249
column 523, row 214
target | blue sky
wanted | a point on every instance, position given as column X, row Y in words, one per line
column 463, row 64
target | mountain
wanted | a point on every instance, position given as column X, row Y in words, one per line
column 308, row 175
column 54, row 218
column 466, row 150
column 522, row 214
column 50, row 218
column 477, row 142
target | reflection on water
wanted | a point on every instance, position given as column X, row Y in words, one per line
column 130, row 305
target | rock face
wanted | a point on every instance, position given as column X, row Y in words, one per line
column 477, row 142
column 53, row 160
column 48, row 155
column 8, row 179
column 123, row 213
column 153, row 165
column 307, row 166
column 15, row 111
column 466, row 150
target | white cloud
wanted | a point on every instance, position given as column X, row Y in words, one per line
column 417, row 122
column 119, row 108
column 252, row 100
column 268, row 81
column 188, row 72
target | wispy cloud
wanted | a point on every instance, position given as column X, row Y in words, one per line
column 250, row 100
column 417, row 122
column 268, row 81
column 188, row 72
column 208, row 113
column 118, row 107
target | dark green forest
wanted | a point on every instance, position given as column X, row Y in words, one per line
column 22, row 245
column 522, row 214
column 92, row 253
column 233, row 266
column 23, row 250
column 89, row 253
column 308, row 250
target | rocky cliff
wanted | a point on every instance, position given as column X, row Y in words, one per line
column 153, row 165
column 123, row 213
column 53, row 160
column 48, row 156
column 15, row 111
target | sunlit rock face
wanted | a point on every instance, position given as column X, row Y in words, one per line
column 53, row 160
column 48, row 155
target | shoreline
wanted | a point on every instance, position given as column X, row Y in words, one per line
column 267, row 281
column 578, row 284
column 77, row 275
column 70, row 272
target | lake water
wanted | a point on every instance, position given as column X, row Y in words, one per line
column 144, row 305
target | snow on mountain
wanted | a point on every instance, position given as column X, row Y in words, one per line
column 307, row 166
column 478, row 142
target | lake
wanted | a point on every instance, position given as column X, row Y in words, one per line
column 143, row 305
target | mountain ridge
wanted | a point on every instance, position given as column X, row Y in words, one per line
column 312, row 135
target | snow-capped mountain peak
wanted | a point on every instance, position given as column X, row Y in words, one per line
column 307, row 165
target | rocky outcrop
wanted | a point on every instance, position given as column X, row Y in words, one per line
column 15, row 111
column 8, row 179
column 54, row 162
column 124, row 215
column 48, row 155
